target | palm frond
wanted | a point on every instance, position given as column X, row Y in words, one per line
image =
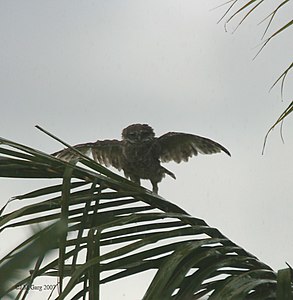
column 247, row 9
column 112, row 229
column 281, row 118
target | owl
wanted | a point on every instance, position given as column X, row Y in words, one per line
column 140, row 154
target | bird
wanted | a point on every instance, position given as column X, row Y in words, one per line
column 140, row 153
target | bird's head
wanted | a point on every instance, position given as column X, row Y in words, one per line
column 138, row 133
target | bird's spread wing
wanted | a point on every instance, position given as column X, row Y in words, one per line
column 67, row 154
column 180, row 146
column 107, row 152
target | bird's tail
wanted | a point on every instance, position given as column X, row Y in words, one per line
column 169, row 173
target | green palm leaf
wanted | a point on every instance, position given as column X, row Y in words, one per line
column 247, row 9
column 111, row 229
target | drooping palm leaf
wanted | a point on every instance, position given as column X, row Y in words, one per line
column 112, row 229
column 247, row 9
column 281, row 118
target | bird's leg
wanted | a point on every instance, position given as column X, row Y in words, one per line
column 155, row 186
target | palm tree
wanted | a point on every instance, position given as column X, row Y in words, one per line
column 96, row 227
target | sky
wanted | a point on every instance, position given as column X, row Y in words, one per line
column 84, row 70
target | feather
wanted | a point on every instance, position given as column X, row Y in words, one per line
column 108, row 153
column 181, row 146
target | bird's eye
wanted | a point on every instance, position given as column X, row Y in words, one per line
column 132, row 134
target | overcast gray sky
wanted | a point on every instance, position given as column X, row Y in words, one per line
column 86, row 69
